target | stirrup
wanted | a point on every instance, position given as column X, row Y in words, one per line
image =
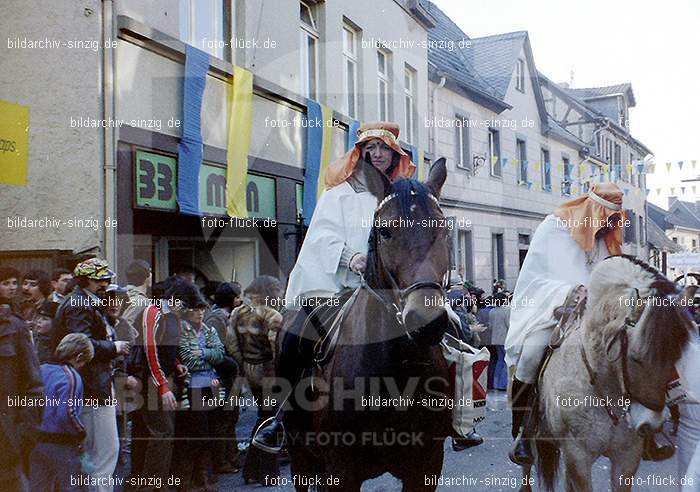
column 265, row 440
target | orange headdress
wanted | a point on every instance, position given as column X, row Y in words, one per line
column 589, row 213
column 387, row 132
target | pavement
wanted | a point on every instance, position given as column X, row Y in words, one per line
column 482, row 468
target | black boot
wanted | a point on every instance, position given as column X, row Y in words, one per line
column 270, row 436
column 523, row 423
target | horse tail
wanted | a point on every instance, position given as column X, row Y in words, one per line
column 547, row 463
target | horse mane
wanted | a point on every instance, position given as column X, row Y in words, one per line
column 408, row 192
column 615, row 279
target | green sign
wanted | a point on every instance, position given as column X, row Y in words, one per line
column 260, row 193
column 260, row 197
column 156, row 187
column 155, row 181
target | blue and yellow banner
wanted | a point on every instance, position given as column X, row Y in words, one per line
column 240, row 103
column 318, row 154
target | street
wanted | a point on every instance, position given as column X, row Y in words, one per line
column 482, row 468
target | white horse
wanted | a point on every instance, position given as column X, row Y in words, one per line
column 604, row 388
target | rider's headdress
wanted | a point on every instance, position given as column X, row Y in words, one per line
column 387, row 132
column 589, row 213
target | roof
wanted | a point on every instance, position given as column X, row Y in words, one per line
column 494, row 58
column 555, row 130
column 657, row 215
column 683, row 214
column 658, row 239
column 453, row 63
column 608, row 90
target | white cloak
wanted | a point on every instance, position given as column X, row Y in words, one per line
column 554, row 264
column 342, row 221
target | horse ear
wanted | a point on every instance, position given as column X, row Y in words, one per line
column 437, row 177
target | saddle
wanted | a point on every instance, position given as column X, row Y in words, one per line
column 569, row 320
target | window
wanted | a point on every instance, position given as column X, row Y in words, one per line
column 350, row 70
column 546, row 171
column 567, row 181
column 409, row 100
column 498, row 269
column 495, row 153
column 308, row 49
column 383, row 85
column 462, row 142
column 465, row 262
column 694, row 243
column 618, row 162
column 599, row 145
column 521, row 153
column 642, row 237
column 202, row 25
column 675, row 239
column 520, row 75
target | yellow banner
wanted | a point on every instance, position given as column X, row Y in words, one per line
column 327, row 116
column 14, row 143
column 239, row 132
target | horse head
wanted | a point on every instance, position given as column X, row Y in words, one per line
column 644, row 324
column 408, row 254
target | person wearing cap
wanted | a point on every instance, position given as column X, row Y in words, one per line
column 565, row 248
column 81, row 312
column 335, row 248
column 41, row 326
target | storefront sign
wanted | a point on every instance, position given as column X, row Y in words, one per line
column 155, row 181
column 14, row 143
column 155, row 187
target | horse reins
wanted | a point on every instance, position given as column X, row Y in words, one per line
column 622, row 335
column 393, row 307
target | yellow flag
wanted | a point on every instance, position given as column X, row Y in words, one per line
column 327, row 115
column 240, row 105
column 14, row 143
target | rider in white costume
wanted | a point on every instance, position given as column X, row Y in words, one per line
column 335, row 249
column 564, row 249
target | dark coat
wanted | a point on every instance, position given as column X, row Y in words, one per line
column 19, row 377
column 77, row 314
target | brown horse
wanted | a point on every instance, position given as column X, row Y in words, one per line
column 604, row 388
column 379, row 402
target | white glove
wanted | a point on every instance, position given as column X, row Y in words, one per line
column 358, row 263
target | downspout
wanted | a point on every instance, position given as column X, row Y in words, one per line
column 108, row 138
column 433, row 133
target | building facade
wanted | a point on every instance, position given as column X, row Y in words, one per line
column 104, row 142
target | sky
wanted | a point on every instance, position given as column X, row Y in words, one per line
column 655, row 46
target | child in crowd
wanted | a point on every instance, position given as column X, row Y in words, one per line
column 56, row 458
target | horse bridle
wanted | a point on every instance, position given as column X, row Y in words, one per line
column 393, row 307
column 622, row 335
